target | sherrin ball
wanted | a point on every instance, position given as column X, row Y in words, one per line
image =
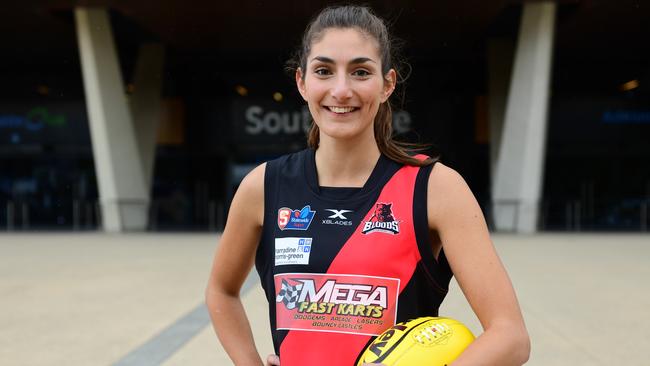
column 426, row 341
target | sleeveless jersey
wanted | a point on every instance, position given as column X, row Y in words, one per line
column 341, row 265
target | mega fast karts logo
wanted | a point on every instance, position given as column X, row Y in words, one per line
column 335, row 303
column 289, row 219
column 382, row 220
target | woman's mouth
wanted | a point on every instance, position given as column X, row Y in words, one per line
column 341, row 110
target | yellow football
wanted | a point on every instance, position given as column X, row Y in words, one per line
column 425, row 341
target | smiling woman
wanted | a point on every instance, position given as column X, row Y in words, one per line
column 375, row 61
column 344, row 86
column 355, row 233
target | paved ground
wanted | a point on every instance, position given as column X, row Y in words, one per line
column 93, row 299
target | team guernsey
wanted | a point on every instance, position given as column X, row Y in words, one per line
column 341, row 265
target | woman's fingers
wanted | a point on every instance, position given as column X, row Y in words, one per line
column 272, row 360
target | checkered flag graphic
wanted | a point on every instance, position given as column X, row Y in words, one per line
column 288, row 294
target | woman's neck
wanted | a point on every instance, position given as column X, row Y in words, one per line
column 345, row 163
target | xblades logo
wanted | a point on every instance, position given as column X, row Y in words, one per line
column 337, row 218
column 338, row 214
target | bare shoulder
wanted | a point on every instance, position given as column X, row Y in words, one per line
column 442, row 177
column 448, row 194
column 249, row 197
column 253, row 182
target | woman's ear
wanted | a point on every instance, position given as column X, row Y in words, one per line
column 300, row 83
column 390, row 79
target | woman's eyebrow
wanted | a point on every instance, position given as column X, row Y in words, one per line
column 354, row 61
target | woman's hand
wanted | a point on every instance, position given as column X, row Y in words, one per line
column 272, row 360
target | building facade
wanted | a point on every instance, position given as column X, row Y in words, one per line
column 131, row 117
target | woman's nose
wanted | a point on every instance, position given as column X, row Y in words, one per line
column 341, row 89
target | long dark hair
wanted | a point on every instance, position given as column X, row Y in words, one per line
column 363, row 19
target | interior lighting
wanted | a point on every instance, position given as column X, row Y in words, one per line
column 241, row 90
column 277, row 96
column 630, row 85
column 43, row 90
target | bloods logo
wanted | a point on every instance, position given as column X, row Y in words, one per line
column 382, row 220
column 289, row 219
column 335, row 303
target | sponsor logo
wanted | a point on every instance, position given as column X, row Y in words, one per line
column 382, row 220
column 335, row 303
column 289, row 219
column 337, row 214
column 292, row 251
column 337, row 218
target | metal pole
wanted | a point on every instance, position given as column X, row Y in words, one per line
column 153, row 221
column 10, row 216
column 88, row 215
column 221, row 222
column 577, row 220
column 644, row 216
column 515, row 227
column 98, row 215
column 25, row 216
column 542, row 217
column 489, row 216
column 75, row 215
column 212, row 216
column 568, row 215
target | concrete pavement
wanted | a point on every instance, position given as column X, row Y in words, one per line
column 97, row 299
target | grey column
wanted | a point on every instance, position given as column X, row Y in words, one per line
column 518, row 180
column 122, row 192
column 145, row 104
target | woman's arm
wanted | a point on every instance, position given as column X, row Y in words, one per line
column 232, row 263
column 457, row 217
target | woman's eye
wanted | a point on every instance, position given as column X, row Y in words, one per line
column 322, row 72
column 361, row 73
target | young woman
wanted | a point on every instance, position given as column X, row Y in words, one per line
column 354, row 234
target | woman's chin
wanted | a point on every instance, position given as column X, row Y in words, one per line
column 341, row 134
column 340, row 131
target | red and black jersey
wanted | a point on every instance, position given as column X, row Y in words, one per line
column 341, row 265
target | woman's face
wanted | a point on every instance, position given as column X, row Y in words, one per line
column 343, row 84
